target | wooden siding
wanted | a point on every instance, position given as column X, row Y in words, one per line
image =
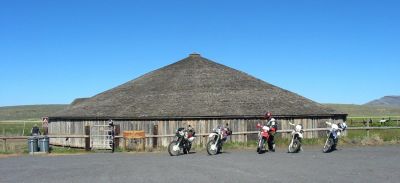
column 167, row 127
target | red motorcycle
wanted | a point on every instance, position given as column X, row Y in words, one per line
column 263, row 137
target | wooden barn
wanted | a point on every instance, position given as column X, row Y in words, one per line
column 194, row 91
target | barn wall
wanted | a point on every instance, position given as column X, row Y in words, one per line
column 166, row 127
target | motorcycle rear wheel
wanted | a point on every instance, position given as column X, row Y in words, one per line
column 209, row 150
column 334, row 144
column 171, row 147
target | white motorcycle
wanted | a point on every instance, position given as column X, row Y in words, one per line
column 297, row 136
column 216, row 140
column 333, row 136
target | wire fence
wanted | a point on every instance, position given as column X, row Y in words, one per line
column 374, row 121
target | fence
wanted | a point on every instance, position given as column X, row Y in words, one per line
column 369, row 121
column 87, row 137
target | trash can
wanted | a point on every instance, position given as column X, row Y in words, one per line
column 32, row 144
column 44, row 144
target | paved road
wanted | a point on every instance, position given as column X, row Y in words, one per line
column 350, row 164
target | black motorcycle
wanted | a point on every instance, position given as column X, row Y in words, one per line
column 182, row 142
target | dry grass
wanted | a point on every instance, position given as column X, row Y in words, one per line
column 372, row 141
column 14, row 147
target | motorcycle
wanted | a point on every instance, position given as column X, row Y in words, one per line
column 216, row 140
column 333, row 136
column 297, row 135
column 182, row 142
column 263, row 137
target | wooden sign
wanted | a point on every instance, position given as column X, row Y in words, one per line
column 134, row 134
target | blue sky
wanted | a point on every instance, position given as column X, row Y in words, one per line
column 341, row 51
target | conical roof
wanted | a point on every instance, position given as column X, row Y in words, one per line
column 194, row 87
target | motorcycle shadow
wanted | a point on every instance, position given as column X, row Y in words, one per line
column 263, row 152
column 334, row 150
column 223, row 152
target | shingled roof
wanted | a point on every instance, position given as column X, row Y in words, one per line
column 194, row 87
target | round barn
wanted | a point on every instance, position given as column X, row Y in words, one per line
column 193, row 91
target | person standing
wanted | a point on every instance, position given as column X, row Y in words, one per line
column 273, row 127
column 190, row 132
column 111, row 134
column 227, row 130
column 35, row 130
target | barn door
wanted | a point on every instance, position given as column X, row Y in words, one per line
column 100, row 136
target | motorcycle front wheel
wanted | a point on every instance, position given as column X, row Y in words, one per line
column 212, row 148
column 260, row 147
column 295, row 147
column 328, row 145
column 173, row 151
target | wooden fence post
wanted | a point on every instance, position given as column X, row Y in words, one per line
column 244, row 140
column 368, row 127
column 155, row 132
column 87, row 139
column 5, row 145
column 117, row 133
column 5, row 141
column 144, row 144
column 124, row 139
column 205, row 141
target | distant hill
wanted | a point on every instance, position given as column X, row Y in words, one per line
column 28, row 112
column 365, row 110
column 389, row 101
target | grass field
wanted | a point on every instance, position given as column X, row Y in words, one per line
column 14, row 147
column 28, row 112
column 17, row 128
column 385, row 135
column 366, row 111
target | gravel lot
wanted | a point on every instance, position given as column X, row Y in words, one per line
column 349, row 164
